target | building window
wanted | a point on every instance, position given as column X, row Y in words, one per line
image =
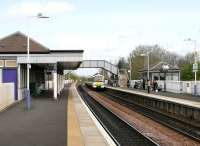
column 1, row 63
column 155, row 76
column 172, row 76
column 162, row 76
column 10, row 63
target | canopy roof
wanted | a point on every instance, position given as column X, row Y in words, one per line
column 14, row 46
column 17, row 43
column 158, row 67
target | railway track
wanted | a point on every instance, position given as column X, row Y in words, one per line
column 121, row 132
column 178, row 125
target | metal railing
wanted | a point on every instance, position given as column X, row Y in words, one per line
column 100, row 64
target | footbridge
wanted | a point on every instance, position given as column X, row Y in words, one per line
column 100, row 64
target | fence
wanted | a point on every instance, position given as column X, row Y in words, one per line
column 132, row 83
column 172, row 86
column 176, row 86
column 6, row 95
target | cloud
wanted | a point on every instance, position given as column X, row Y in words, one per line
column 32, row 8
column 96, row 46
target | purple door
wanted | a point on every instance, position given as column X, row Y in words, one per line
column 10, row 75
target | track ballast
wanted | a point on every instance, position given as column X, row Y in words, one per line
column 122, row 133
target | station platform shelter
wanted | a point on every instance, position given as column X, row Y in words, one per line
column 45, row 65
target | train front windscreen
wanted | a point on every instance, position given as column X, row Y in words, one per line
column 98, row 79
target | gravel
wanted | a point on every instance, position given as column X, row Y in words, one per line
column 122, row 132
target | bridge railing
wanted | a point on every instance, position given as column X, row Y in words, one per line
column 100, row 64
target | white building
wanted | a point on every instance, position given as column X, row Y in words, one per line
column 46, row 64
column 156, row 72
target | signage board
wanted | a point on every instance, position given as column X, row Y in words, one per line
column 195, row 67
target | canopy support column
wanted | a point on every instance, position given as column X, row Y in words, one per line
column 55, row 86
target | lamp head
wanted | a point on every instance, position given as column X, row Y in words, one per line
column 165, row 67
column 40, row 15
column 188, row 39
column 143, row 54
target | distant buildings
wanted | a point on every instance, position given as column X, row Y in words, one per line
column 156, row 72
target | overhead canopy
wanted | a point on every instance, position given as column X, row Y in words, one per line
column 14, row 46
column 17, row 43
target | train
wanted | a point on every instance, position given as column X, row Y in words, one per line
column 96, row 81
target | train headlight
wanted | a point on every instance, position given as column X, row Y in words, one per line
column 93, row 85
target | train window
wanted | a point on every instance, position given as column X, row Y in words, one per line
column 98, row 78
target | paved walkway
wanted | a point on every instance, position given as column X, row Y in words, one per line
column 194, row 103
column 170, row 94
column 90, row 134
column 44, row 125
column 74, row 136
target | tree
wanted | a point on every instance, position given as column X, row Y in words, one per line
column 157, row 54
column 185, row 64
column 186, row 72
column 122, row 63
column 137, row 63
column 73, row 76
column 189, row 58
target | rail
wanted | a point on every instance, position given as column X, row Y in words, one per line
column 121, row 132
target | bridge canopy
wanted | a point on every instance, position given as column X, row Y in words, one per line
column 100, row 64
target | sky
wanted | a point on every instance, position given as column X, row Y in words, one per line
column 105, row 29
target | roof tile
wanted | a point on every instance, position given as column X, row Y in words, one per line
column 17, row 43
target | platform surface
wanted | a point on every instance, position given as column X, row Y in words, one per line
column 166, row 97
column 74, row 137
column 43, row 125
column 90, row 134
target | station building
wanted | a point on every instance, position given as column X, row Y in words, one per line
column 156, row 72
column 46, row 65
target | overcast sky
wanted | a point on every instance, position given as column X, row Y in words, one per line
column 105, row 29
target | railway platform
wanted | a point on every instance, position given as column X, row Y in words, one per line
column 50, row 122
column 175, row 106
column 170, row 94
column 184, row 99
column 43, row 125
column 82, row 128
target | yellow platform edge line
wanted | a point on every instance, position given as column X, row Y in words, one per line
column 74, row 137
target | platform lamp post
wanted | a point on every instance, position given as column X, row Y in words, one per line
column 148, row 81
column 28, row 98
column 147, row 55
column 130, row 72
column 165, row 69
column 195, row 65
column 130, row 69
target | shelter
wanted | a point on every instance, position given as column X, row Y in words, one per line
column 46, row 64
column 156, row 72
